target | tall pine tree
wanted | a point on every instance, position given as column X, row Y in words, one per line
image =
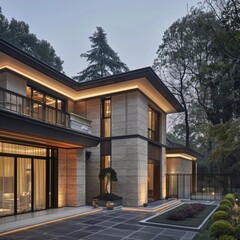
column 103, row 60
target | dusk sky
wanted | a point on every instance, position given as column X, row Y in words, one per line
column 134, row 27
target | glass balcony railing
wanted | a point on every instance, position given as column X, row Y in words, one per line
column 19, row 104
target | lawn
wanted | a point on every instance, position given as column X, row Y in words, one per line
column 188, row 222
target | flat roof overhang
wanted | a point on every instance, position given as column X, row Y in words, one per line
column 183, row 152
column 144, row 79
column 18, row 127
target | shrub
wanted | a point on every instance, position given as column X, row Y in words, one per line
column 220, row 215
column 224, row 208
column 226, row 202
column 237, row 231
column 220, row 228
column 230, row 197
column 237, row 195
column 190, row 210
column 226, row 237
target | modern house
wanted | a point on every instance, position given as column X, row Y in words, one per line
column 56, row 135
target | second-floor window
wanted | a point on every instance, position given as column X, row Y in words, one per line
column 106, row 118
column 45, row 107
column 153, row 124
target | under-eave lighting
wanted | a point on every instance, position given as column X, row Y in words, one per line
column 181, row 155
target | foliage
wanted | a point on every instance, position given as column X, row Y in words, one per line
column 225, row 208
column 226, row 202
column 220, row 215
column 225, row 141
column 108, row 173
column 188, row 211
column 199, row 60
column 103, row 60
column 237, row 231
column 227, row 237
column 220, row 228
column 230, row 197
column 18, row 34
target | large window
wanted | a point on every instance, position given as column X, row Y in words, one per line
column 153, row 124
column 45, row 106
column 26, row 178
column 106, row 118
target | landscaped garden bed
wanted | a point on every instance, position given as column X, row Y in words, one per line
column 186, row 215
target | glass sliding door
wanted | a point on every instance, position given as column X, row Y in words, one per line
column 6, row 185
column 39, row 184
column 24, row 184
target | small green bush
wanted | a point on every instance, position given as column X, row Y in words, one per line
column 224, row 208
column 226, row 237
column 237, row 231
column 220, row 228
column 237, row 195
column 226, row 202
column 220, row 215
column 230, row 197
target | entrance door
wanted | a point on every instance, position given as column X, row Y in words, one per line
column 153, row 180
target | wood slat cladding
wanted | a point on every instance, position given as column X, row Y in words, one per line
column 154, row 152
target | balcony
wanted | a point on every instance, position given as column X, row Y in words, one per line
column 27, row 107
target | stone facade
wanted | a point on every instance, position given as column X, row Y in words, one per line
column 71, row 177
column 129, row 146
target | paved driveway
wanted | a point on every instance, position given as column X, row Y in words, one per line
column 103, row 225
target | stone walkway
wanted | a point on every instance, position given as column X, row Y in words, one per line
column 102, row 225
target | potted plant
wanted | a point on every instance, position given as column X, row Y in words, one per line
column 107, row 198
column 110, row 174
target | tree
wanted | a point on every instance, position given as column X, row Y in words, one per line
column 109, row 174
column 200, row 55
column 18, row 34
column 180, row 57
column 103, row 61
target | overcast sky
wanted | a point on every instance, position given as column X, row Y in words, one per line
column 134, row 27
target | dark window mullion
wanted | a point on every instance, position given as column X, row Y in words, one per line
column 15, row 185
column 32, row 186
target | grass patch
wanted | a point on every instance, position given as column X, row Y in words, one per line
column 188, row 222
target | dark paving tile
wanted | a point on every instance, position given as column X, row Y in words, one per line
column 91, row 222
column 127, row 227
column 142, row 235
column 161, row 237
column 79, row 234
column 61, row 231
column 43, row 236
column 117, row 219
column 152, row 229
column 94, row 229
column 65, row 238
column 174, row 233
column 77, row 226
column 99, row 236
column 103, row 218
column 116, row 232
column 107, row 224
column 190, row 234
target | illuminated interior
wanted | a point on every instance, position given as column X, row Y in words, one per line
column 30, row 168
column 181, row 155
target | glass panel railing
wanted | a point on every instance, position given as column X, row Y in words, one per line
column 25, row 106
